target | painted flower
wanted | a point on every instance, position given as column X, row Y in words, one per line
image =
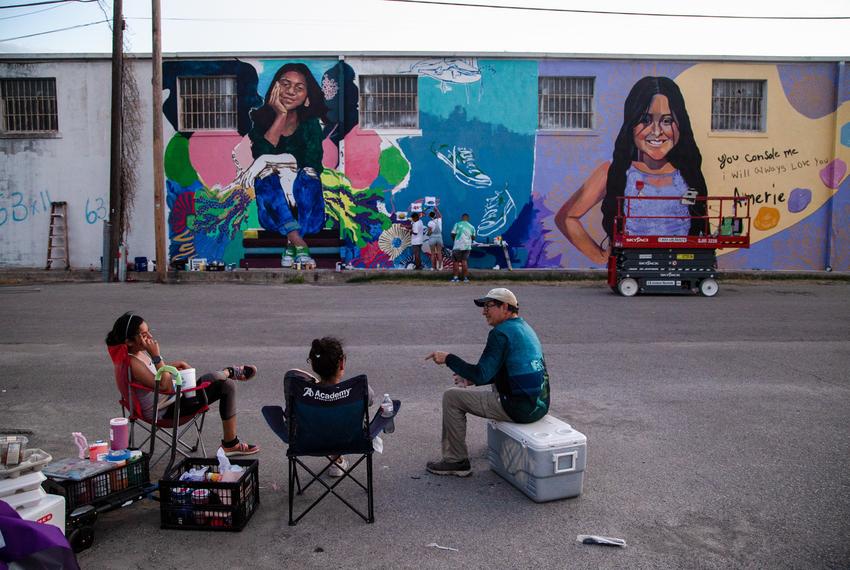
column 372, row 257
column 394, row 241
column 329, row 87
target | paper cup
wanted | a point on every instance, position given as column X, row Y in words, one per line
column 188, row 376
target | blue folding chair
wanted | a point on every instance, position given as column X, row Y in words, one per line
column 326, row 421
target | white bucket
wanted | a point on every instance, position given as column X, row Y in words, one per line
column 188, row 376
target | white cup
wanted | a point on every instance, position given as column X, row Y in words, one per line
column 188, row 376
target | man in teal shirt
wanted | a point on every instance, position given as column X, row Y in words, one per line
column 512, row 361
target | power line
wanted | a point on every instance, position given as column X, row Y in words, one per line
column 612, row 13
column 43, row 3
column 53, row 31
column 30, row 13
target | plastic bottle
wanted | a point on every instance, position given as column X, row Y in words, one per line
column 387, row 409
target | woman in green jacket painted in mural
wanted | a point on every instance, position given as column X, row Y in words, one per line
column 286, row 145
column 655, row 155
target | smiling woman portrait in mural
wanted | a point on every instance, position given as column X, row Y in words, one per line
column 285, row 144
column 655, row 155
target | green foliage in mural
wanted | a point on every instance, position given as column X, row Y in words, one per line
column 178, row 166
column 393, row 166
column 354, row 209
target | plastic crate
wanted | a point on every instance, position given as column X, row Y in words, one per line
column 209, row 505
column 100, row 488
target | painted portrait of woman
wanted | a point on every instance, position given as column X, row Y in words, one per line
column 655, row 155
column 285, row 143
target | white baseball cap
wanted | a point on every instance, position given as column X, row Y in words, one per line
column 500, row 294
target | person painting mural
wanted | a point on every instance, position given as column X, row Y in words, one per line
column 285, row 143
column 655, row 155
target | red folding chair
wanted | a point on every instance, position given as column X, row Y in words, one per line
column 131, row 408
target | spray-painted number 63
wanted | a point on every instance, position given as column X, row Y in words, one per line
column 98, row 213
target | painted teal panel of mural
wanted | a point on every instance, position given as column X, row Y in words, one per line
column 476, row 151
column 490, row 92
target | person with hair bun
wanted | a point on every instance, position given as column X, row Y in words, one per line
column 327, row 359
column 131, row 333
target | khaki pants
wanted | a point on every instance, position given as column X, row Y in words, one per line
column 457, row 402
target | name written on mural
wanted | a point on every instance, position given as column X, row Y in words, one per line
column 15, row 207
column 771, row 197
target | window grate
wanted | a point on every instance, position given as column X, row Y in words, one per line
column 207, row 103
column 29, row 105
column 389, row 101
column 737, row 105
column 565, row 103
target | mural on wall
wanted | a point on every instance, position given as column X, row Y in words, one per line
column 300, row 164
column 655, row 156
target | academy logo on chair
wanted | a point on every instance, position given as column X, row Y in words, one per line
column 324, row 396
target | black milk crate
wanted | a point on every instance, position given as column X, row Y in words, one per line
column 102, row 488
column 209, row 505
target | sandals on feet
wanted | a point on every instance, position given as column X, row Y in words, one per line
column 243, row 372
column 241, row 448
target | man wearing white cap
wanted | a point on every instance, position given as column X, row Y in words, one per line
column 512, row 361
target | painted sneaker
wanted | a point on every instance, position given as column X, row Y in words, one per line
column 462, row 162
column 497, row 210
column 302, row 256
column 288, row 257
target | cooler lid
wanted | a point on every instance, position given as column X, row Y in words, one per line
column 548, row 432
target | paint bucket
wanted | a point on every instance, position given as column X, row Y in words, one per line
column 119, row 434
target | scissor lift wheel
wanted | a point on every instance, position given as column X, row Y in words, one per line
column 627, row 287
column 708, row 287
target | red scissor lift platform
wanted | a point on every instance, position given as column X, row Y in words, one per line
column 676, row 263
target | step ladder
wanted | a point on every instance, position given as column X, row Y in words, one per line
column 57, row 238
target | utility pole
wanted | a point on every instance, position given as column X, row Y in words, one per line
column 158, row 168
column 116, row 205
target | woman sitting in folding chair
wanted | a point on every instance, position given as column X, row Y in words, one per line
column 145, row 359
column 327, row 359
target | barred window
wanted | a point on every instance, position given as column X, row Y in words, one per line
column 207, row 103
column 737, row 105
column 389, row 102
column 29, row 105
column 565, row 103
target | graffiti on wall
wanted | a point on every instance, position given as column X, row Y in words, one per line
column 299, row 163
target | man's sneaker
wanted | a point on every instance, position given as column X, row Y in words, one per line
column 497, row 209
column 339, row 467
column 454, row 280
column 462, row 162
column 459, row 468
column 466, row 279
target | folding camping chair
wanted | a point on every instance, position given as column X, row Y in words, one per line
column 326, row 421
column 131, row 407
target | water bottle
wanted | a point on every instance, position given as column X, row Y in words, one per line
column 387, row 412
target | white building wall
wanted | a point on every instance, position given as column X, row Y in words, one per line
column 72, row 166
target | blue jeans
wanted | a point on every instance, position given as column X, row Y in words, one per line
column 274, row 212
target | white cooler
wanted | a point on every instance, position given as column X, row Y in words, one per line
column 545, row 460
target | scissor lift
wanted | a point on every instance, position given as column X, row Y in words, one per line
column 676, row 264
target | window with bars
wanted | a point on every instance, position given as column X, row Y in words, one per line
column 389, row 102
column 207, row 103
column 29, row 105
column 565, row 103
column 737, row 105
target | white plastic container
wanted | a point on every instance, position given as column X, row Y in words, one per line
column 29, row 482
column 545, row 459
column 24, row 500
column 50, row 510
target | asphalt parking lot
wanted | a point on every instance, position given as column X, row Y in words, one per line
column 718, row 429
